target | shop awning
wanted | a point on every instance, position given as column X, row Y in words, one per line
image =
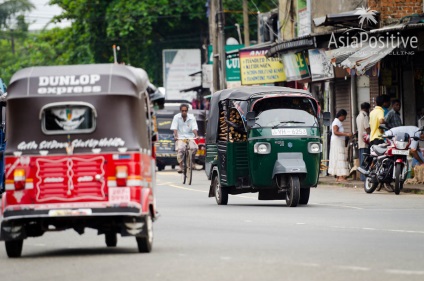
column 362, row 58
column 349, row 18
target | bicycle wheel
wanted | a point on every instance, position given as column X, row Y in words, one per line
column 350, row 159
column 189, row 165
column 184, row 168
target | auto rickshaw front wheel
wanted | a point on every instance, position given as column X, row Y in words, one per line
column 293, row 192
column 14, row 248
column 145, row 243
column 221, row 194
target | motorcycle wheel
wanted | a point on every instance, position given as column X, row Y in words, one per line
column 293, row 192
column 370, row 186
column 398, row 181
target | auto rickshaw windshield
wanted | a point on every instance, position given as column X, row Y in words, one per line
column 286, row 117
column 293, row 111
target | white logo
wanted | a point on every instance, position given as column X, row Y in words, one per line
column 366, row 14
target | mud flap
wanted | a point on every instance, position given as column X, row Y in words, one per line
column 11, row 232
column 289, row 163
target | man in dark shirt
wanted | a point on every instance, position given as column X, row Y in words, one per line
column 393, row 116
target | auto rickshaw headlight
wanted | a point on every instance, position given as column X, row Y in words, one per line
column 262, row 148
column 314, row 147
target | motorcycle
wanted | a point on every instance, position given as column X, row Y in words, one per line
column 387, row 162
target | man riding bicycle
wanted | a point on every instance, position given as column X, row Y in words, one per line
column 185, row 129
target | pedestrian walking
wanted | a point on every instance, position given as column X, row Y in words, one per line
column 376, row 119
column 338, row 158
column 363, row 125
column 393, row 116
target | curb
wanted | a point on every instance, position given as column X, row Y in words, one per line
column 359, row 184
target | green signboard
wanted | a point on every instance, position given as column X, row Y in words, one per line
column 232, row 62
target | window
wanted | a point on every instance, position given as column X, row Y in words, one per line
column 68, row 118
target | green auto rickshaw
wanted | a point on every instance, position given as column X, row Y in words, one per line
column 263, row 139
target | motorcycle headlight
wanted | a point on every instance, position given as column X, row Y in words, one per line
column 401, row 144
column 314, row 147
column 262, row 148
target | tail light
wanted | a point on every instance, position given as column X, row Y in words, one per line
column 19, row 178
column 121, row 175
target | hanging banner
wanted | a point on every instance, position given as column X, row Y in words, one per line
column 321, row 68
column 257, row 69
column 295, row 66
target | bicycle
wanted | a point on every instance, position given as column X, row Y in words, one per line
column 352, row 150
column 187, row 162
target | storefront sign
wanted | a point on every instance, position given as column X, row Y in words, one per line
column 257, row 69
column 321, row 67
column 232, row 62
column 295, row 66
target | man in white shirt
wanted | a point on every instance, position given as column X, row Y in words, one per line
column 184, row 126
column 363, row 124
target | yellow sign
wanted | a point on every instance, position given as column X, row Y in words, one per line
column 257, row 69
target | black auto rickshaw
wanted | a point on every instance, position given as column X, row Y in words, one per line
column 265, row 140
column 165, row 145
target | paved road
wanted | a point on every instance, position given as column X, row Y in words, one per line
column 343, row 234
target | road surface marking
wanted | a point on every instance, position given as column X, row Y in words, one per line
column 342, row 206
column 404, row 272
column 190, row 189
column 354, row 268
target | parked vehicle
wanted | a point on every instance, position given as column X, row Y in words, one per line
column 265, row 140
column 201, row 142
column 387, row 163
column 79, row 154
column 165, row 145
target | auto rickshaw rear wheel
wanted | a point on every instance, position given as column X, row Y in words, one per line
column 145, row 243
column 221, row 194
column 293, row 192
column 111, row 239
column 304, row 195
column 14, row 248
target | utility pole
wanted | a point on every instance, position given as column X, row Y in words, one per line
column 214, row 40
column 246, row 24
column 221, row 46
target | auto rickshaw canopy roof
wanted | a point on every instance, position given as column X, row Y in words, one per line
column 100, row 105
column 78, row 80
column 242, row 94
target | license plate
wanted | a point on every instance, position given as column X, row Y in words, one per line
column 400, row 152
column 70, row 212
column 119, row 194
column 200, row 152
column 289, row 132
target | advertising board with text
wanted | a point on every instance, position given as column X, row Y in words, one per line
column 257, row 69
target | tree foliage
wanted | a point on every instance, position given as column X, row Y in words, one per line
column 142, row 30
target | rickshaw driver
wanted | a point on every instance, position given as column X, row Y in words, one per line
column 185, row 127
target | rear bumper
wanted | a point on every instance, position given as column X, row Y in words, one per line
column 166, row 160
column 20, row 224
column 16, row 212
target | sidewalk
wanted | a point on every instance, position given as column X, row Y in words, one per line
column 407, row 188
